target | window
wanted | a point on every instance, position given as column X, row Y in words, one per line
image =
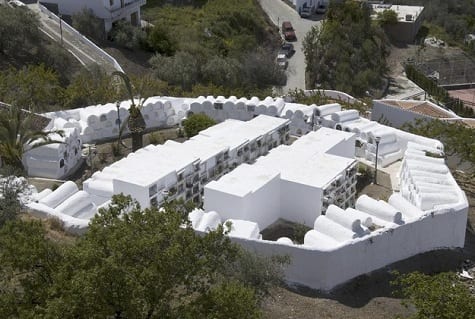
column 154, row 202
column 251, row 108
column 103, row 118
column 111, row 2
column 218, row 106
column 61, row 163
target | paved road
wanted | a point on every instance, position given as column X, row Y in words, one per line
column 279, row 11
column 83, row 52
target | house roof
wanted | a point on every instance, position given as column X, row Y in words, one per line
column 420, row 107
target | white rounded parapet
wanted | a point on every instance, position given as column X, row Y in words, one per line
column 378, row 209
column 59, row 195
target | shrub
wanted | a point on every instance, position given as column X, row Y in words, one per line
column 196, row 123
column 156, row 138
column 127, row 36
column 160, row 41
column 56, row 224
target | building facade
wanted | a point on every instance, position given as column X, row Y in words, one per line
column 108, row 11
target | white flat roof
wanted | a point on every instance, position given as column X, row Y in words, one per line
column 305, row 162
column 401, row 10
column 152, row 163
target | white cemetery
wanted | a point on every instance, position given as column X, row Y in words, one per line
column 246, row 170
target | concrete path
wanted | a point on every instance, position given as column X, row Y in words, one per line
column 82, row 51
column 279, row 11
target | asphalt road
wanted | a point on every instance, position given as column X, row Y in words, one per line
column 279, row 11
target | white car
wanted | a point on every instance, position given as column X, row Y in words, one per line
column 282, row 60
column 305, row 12
column 16, row 3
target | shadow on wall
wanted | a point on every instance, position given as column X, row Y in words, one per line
column 359, row 291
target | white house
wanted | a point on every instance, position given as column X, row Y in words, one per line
column 109, row 11
column 398, row 112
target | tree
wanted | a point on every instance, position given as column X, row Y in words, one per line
column 440, row 296
column 34, row 86
column 387, row 17
column 196, row 123
column 135, row 121
column 10, row 189
column 161, row 42
column 127, row 35
column 347, row 52
column 90, row 87
column 132, row 263
column 181, row 69
column 19, row 134
column 20, row 31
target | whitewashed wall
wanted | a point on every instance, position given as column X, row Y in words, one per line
column 326, row 269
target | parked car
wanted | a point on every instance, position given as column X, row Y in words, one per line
column 282, row 60
column 288, row 31
column 321, row 9
column 305, row 12
column 287, row 49
column 16, row 3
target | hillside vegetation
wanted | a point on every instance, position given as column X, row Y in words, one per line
column 347, row 52
column 221, row 43
column 450, row 20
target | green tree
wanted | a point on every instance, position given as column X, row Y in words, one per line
column 28, row 264
column 387, row 17
column 160, row 41
column 440, row 296
column 90, row 87
column 19, row 134
column 35, row 87
column 347, row 52
column 20, row 31
column 181, row 69
column 196, row 123
column 127, row 35
column 10, row 188
column 132, row 263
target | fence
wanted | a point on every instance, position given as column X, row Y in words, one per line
column 437, row 91
column 82, row 38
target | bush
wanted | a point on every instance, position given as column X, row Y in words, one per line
column 156, row 138
column 56, row 224
column 127, row 36
column 160, row 41
column 196, row 123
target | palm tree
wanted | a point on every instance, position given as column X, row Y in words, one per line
column 18, row 134
column 135, row 121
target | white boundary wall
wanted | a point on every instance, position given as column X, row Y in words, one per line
column 82, row 38
column 325, row 270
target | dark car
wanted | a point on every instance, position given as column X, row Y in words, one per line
column 287, row 49
column 288, row 31
column 321, row 9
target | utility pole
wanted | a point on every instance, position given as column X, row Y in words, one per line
column 378, row 139
column 61, row 27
